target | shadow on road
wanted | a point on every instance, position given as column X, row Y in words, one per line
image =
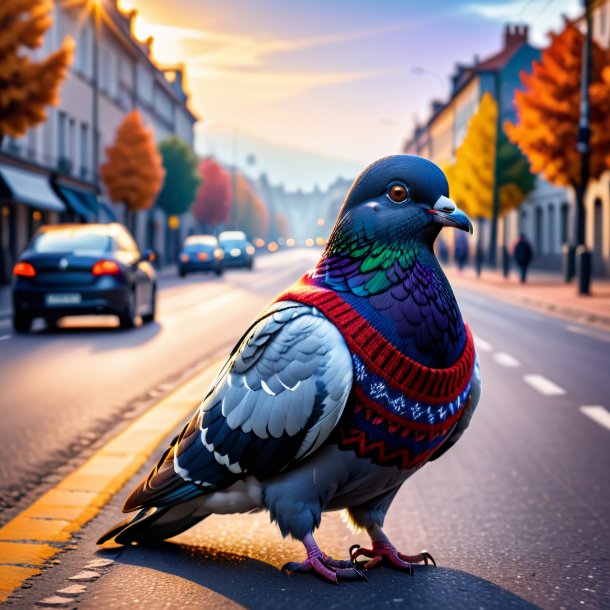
column 256, row 584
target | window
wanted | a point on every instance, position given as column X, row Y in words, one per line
column 71, row 141
column 564, row 222
column 84, row 150
column 551, row 233
column 538, row 229
column 63, row 136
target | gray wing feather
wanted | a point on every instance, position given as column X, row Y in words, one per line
column 289, row 381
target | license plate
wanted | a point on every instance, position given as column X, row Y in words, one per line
column 202, row 256
column 63, row 299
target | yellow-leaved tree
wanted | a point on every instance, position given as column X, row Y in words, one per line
column 28, row 86
column 133, row 173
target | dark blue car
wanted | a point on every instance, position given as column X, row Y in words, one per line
column 201, row 253
column 83, row 269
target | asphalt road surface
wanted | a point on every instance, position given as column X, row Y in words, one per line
column 516, row 515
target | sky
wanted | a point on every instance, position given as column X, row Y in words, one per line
column 306, row 90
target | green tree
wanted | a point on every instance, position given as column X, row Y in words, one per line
column 182, row 179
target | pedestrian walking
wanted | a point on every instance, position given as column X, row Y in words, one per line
column 461, row 251
column 523, row 254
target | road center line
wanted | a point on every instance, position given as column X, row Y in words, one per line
column 481, row 344
column 543, row 385
column 600, row 415
column 505, row 359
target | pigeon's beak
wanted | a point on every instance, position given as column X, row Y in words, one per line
column 449, row 215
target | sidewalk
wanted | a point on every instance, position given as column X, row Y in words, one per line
column 543, row 291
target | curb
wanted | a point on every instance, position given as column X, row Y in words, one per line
column 41, row 530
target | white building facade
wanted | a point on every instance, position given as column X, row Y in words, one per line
column 67, row 149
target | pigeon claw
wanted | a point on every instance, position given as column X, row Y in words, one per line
column 329, row 569
column 384, row 551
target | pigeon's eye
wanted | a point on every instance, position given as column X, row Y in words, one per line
column 398, row 193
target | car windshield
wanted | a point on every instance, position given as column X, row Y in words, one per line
column 233, row 243
column 70, row 240
column 209, row 241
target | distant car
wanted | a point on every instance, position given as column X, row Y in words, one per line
column 83, row 269
column 239, row 252
column 201, row 253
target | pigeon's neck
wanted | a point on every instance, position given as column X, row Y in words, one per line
column 400, row 289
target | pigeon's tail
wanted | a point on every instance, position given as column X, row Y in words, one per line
column 154, row 524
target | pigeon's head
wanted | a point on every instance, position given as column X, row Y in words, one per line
column 400, row 197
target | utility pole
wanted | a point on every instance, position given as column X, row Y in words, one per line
column 583, row 256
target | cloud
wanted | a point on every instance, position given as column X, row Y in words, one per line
column 236, row 61
column 270, row 86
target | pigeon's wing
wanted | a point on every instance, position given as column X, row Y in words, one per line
column 469, row 409
column 277, row 399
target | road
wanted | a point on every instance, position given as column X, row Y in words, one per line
column 516, row 514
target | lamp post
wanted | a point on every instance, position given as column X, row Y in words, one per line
column 421, row 71
column 96, row 7
column 583, row 256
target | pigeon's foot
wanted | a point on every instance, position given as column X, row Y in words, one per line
column 328, row 568
column 386, row 550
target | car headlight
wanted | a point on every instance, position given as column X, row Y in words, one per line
column 235, row 252
column 218, row 254
column 250, row 250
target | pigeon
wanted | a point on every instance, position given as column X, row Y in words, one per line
column 341, row 389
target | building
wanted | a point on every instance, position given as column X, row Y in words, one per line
column 440, row 136
column 50, row 174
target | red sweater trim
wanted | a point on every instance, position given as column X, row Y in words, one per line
column 432, row 386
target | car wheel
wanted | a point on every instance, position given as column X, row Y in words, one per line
column 251, row 264
column 127, row 319
column 182, row 273
column 21, row 323
column 220, row 271
column 51, row 323
column 150, row 317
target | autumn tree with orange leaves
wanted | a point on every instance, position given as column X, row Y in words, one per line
column 28, row 86
column 133, row 173
column 548, row 110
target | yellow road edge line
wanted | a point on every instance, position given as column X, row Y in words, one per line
column 80, row 496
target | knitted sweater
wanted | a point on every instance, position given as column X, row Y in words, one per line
column 402, row 411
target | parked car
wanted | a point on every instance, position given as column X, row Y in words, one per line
column 239, row 252
column 83, row 269
column 201, row 253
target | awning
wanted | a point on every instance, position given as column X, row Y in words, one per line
column 30, row 188
column 83, row 203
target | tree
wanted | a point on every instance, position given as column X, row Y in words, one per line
column 133, row 173
column 548, row 110
column 515, row 179
column 213, row 201
column 28, row 86
column 181, row 176
column 474, row 172
column 252, row 214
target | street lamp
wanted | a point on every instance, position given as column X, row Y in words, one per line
column 583, row 256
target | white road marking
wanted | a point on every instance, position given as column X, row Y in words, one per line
column 543, row 385
column 4, row 337
column 600, row 415
column 589, row 332
column 481, row 344
column 505, row 359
